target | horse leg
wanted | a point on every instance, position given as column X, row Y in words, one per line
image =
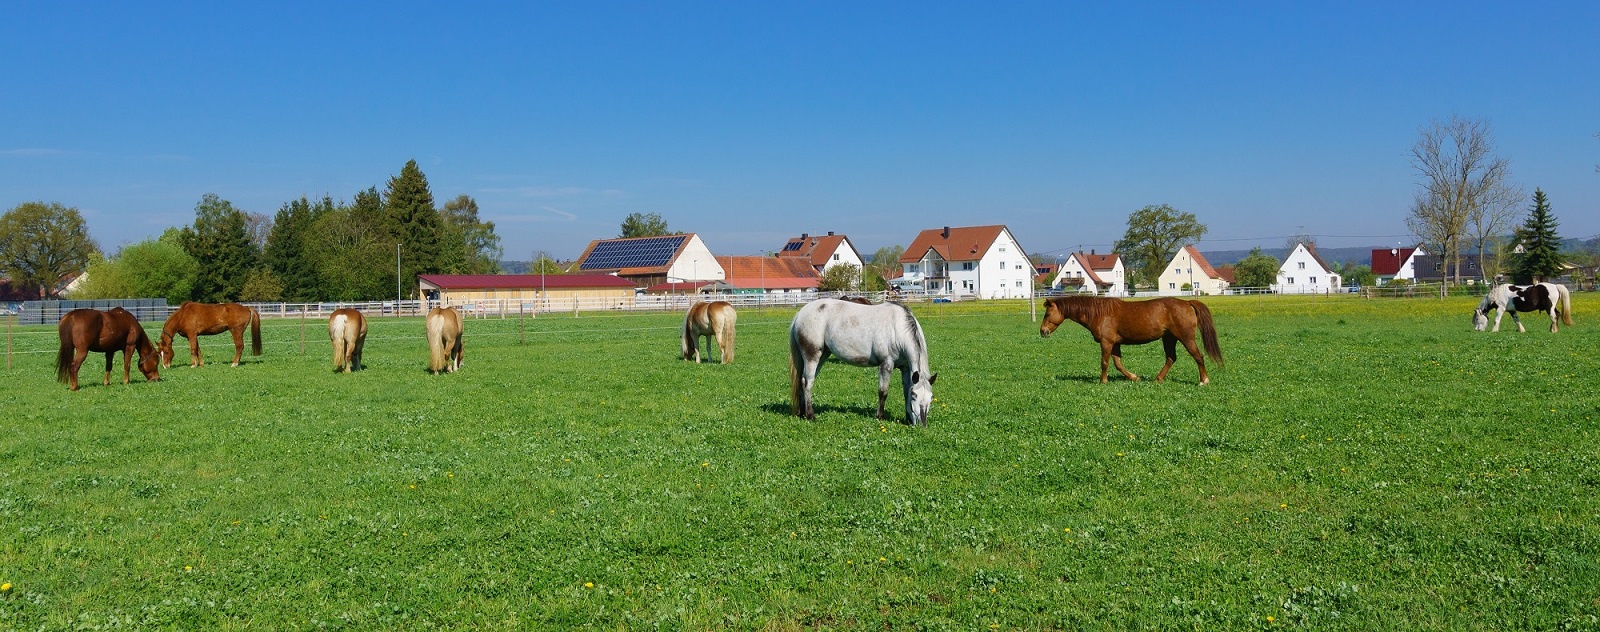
column 1199, row 360
column 1116, row 357
column 1105, row 359
column 238, row 344
column 1498, row 314
column 1518, row 321
column 79, row 354
column 127, row 363
column 194, row 352
column 884, row 373
column 1169, row 344
column 109, row 354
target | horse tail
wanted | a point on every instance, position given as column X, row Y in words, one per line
column 1566, row 304
column 689, row 342
column 255, row 332
column 1208, row 331
column 64, row 355
column 436, row 359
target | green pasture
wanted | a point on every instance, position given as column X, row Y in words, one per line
column 1358, row 464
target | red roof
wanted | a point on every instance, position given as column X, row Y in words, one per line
column 774, row 283
column 1387, row 261
column 757, row 267
column 815, row 248
column 523, row 281
column 967, row 243
column 1200, row 260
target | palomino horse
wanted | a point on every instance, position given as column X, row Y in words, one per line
column 886, row 336
column 347, row 328
column 444, row 340
column 193, row 320
column 85, row 330
column 1114, row 322
column 709, row 319
column 1539, row 297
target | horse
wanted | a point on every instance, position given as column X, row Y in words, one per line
column 1114, row 322
column 85, row 330
column 193, row 320
column 708, row 320
column 347, row 328
column 444, row 340
column 886, row 336
column 1539, row 297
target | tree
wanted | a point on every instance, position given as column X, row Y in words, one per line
column 543, row 263
column 1541, row 247
column 160, row 268
column 1257, row 269
column 480, row 247
column 415, row 223
column 42, row 243
column 885, row 263
column 1355, row 273
column 643, row 225
column 1154, row 235
column 286, row 256
column 260, row 286
column 220, row 240
column 353, row 250
column 104, row 279
column 840, row 278
column 1463, row 184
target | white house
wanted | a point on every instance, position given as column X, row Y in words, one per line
column 979, row 261
column 1389, row 264
column 1303, row 272
column 1092, row 274
column 650, row 260
column 1189, row 269
column 822, row 251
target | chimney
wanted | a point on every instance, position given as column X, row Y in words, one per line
column 803, row 236
column 946, row 233
column 830, row 233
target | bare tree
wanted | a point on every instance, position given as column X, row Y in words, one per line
column 1463, row 184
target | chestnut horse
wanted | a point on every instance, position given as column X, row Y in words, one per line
column 1114, row 322
column 347, row 328
column 708, row 320
column 85, row 330
column 193, row 320
column 444, row 340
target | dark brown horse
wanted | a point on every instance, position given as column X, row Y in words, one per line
column 85, row 330
column 193, row 320
column 1114, row 322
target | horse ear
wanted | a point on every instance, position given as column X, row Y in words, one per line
column 933, row 378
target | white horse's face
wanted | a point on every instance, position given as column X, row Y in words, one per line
column 1480, row 321
column 921, row 399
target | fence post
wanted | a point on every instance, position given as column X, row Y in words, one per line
column 522, row 323
column 302, row 332
column 8, row 342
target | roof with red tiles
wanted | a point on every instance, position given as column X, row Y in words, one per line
column 816, row 248
column 523, row 281
column 966, row 243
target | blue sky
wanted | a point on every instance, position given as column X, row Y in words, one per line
column 751, row 122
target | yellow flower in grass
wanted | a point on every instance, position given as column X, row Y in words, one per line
column 6, row 587
column 588, row 584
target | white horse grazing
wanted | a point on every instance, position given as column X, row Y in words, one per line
column 1539, row 297
column 886, row 336
column 711, row 320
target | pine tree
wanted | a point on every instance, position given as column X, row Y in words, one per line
column 1541, row 247
column 415, row 223
column 286, row 253
column 220, row 241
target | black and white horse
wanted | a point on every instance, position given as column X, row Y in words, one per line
column 1539, row 297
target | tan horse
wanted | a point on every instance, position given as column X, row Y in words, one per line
column 1114, row 322
column 202, row 319
column 709, row 319
column 347, row 328
column 444, row 340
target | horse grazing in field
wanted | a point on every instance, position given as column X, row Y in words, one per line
column 886, row 336
column 1539, row 297
column 85, row 330
column 709, row 320
column 444, row 340
column 1114, row 322
column 347, row 328
column 193, row 320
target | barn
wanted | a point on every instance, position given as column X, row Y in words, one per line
column 526, row 293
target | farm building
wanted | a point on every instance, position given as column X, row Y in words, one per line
column 978, row 261
column 1433, row 269
column 822, row 251
column 1189, row 269
column 521, row 293
column 769, row 275
column 1303, row 272
column 647, row 261
column 1093, row 274
column 1389, row 264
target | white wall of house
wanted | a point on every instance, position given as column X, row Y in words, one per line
column 1072, row 268
column 1301, row 274
column 1408, row 270
column 695, row 263
column 1113, row 280
column 844, row 254
column 1182, row 271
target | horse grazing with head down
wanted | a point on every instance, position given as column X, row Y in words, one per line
column 347, row 328
column 85, row 330
column 444, row 340
column 193, row 320
column 709, row 320
column 886, row 336
column 1539, row 297
column 1114, row 322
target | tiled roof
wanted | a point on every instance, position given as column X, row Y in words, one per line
column 1200, row 260
column 522, row 281
column 1387, row 261
column 966, row 243
column 815, row 248
column 745, row 267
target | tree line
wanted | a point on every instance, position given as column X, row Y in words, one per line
column 311, row 250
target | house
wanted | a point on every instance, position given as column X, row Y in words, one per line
column 769, row 275
column 526, row 293
column 1189, row 269
column 1044, row 273
column 822, row 252
column 979, row 261
column 1432, row 269
column 650, row 260
column 1389, row 264
column 1093, row 274
column 1303, row 272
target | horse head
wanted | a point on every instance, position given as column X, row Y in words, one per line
column 149, row 365
column 1052, row 318
column 163, row 352
column 921, row 397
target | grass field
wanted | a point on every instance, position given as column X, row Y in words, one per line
column 1357, row 465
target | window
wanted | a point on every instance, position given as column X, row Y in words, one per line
column 1002, row 265
column 1172, row 286
column 835, row 256
column 966, row 265
column 1291, row 280
column 1302, row 265
column 1312, row 281
column 1019, row 284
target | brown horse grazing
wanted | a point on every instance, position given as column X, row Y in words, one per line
column 193, row 320
column 85, row 330
column 444, row 340
column 1114, row 322
column 347, row 328
column 708, row 320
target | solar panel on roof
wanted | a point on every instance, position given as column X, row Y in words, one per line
column 794, row 245
column 633, row 253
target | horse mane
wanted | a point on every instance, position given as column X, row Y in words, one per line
column 1083, row 309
